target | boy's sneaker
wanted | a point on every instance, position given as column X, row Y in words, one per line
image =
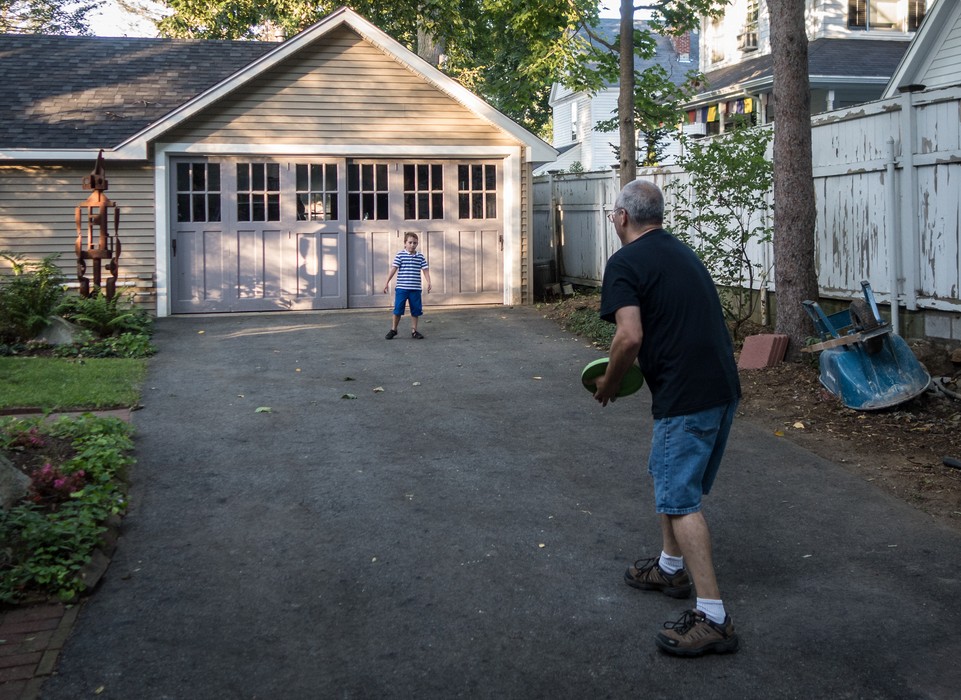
column 694, row 635
column 391, row 334
column 647, row 575
column 416, row 335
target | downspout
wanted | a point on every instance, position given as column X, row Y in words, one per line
column 894, row 239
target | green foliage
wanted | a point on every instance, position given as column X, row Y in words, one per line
column 43, row 550
column 125, row 345
column 576, row 167
column 107, row 317
column 722, row 209
column 29, row 298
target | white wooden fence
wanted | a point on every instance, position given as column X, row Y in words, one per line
column 887, row 178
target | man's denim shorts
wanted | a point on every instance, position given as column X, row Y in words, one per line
column 402, row 296
column 686, row 452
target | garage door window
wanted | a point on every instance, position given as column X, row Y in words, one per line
column 316, row 192
column 258, row 192
column 477, row 191
column 423, row 191
column 367, row 191
column 198, row 192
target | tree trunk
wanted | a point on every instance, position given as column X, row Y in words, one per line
column 794, row 209
column 625, row 98
column 428, row 46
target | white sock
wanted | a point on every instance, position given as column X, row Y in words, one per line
column 712, row 609
column 670, row 565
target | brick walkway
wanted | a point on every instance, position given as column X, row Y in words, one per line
column 30, row 640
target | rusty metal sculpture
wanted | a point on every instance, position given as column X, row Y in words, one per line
column 92, row 217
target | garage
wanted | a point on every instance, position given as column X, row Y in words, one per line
column 254, row 176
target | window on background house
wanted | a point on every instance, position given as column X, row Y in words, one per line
column 423, row 191
column 574, row 121
column 747, row 39
column 916, row 10
column 198, row 192
column 885, row 15
column 258, row 192
column 316, row 191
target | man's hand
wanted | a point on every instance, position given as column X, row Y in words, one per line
column 605, row 390
column 624, row 348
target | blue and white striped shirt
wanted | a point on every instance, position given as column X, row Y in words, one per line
column 408, row 269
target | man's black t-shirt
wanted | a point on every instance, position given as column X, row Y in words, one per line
column 686, row 354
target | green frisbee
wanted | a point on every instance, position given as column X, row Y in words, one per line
column 631, row 382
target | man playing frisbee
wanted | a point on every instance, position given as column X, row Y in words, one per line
column 669, row 318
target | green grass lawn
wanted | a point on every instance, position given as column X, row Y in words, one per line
column 51, row 383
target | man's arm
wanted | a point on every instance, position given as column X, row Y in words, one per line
column 624, row 349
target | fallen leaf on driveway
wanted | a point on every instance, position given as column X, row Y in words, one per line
column 378, row 390
column 348, row 396
column 263, row 409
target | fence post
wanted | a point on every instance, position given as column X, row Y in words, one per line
column 894, row 240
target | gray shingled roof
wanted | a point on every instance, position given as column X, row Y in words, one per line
column 66, row 92
column 857, row 58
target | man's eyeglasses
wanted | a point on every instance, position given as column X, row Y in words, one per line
column 610, row 217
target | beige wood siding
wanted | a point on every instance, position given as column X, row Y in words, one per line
column 340, row 90
column 527, row 296
column 37, row 204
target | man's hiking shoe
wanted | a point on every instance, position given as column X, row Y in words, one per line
column 416, row 335
column 694, row 635
column 647, row 575
column 391, row 334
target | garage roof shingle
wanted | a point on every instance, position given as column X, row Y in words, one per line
column 67, row 92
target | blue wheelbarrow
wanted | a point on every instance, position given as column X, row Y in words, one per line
column 863, row 362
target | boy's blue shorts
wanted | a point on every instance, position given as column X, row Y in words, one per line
column 403, row 296
column 686, row 452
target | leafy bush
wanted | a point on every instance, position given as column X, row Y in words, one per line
column 721, row 211
column 107, row 317
column 29, row 298
column 46, row 542
column 130, row 345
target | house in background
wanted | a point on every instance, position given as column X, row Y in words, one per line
column 577, row 113
column 266, row 176
column 855, row 47
column 933, row 60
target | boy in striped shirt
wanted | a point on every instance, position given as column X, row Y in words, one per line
column 408, row 265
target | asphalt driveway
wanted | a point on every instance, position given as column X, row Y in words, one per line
column 460, row 529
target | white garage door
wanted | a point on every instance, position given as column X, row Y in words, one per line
column 277, row 234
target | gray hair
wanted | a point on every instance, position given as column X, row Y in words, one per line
column 643, row 202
